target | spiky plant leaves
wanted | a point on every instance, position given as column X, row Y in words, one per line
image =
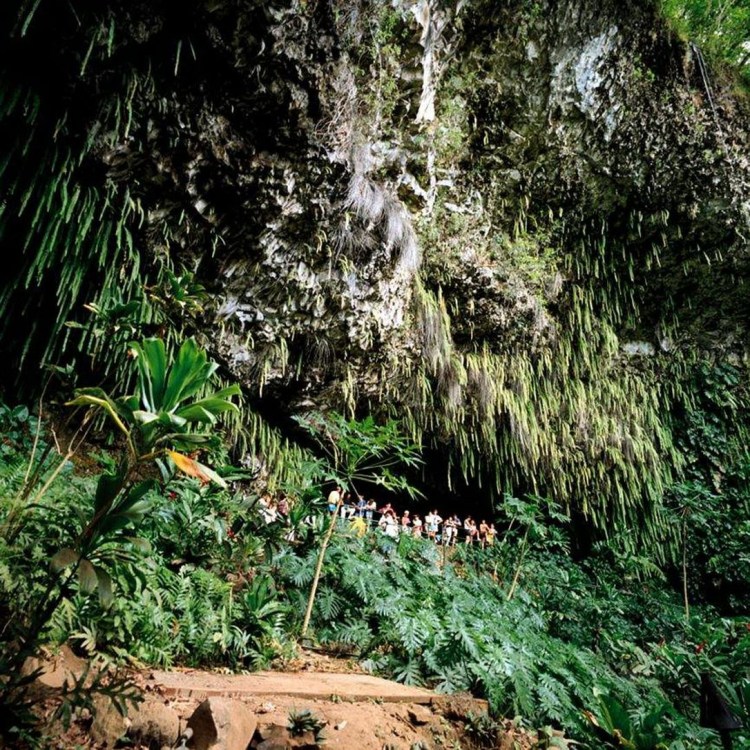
column 300, row 722
column 167, row 416
column 151, row 360
column 165, row 387
column 189, row 372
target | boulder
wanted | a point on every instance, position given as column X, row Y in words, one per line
column 109, row 725
column 221, row 724
column 154, row 723
column 55, row 669
column 304, row 741
column 420, row 715
column 271, row 737
column 278, row 739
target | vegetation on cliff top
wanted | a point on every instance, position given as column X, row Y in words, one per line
column 721, row 29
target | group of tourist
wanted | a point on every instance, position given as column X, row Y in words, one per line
column 447, row 531
column 433, row 526
column 272, row 510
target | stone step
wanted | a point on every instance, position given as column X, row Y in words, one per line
column 310, row 685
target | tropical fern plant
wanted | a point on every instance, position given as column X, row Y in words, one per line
column 454, row 629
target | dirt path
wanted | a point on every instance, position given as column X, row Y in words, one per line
column 358, row 710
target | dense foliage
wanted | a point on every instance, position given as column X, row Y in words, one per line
column 721, row 28
column 599, row 647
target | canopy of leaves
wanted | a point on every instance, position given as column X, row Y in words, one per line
column 363, row 450
column 720, row 27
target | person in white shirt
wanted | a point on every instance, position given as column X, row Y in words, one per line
column 449, row 531
column 470, row 528
column 269, row 512
column 433, row 521
column 416, row 527
column 389, row 525
column 405, row 522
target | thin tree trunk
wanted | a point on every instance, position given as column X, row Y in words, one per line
column 37, row 432
column 319, row 566
column 519, row 566
column 684, row 567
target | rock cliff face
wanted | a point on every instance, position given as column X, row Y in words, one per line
column 507, row 223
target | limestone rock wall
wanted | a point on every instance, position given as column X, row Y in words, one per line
column 457, row 211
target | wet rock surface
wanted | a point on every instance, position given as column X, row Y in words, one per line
column 306, row 195
column 378, row 201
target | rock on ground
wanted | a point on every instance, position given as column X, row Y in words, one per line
column 221, row 724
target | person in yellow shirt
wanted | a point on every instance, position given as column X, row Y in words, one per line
column 491, row 534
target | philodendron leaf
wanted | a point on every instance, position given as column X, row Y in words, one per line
column 63, row 558
column 87, row 576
